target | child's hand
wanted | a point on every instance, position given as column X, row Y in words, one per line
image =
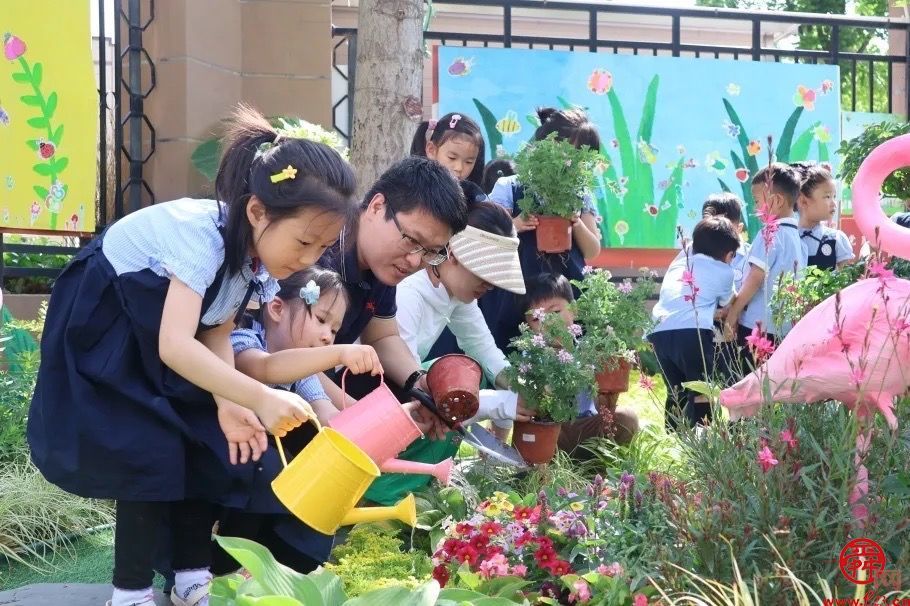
column 281, row 411
column 731, row 326
column 431, row 426
column 360, row 359
column 525, row 222
column 243, row 430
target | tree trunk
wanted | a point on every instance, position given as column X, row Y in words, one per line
column 387, row 85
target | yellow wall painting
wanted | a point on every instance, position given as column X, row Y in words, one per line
column 48, row 116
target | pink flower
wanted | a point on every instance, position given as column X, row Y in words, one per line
column 575, row 329
column 582, row 592
column 688, row 278
column 901, row 325
column 613, row 570
column 761, row 346
column 497, row 566
column 646, row 383
column 878, row 270
column 640, row 599
column 626, row 287
column 766, row 459
column 787, row 437
column 539, row 313
column 538, row 341
column 519, row 570
column 691, row 298
column 587, row 269
column 564, row 356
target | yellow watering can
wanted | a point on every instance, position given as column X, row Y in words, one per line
column 324, row 482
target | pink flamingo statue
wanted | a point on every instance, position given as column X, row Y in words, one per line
column 849, row 348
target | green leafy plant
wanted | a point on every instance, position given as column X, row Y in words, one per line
column 270, row 583
column 207, row 155
column 50, row 164
column 795, row 296
column 853, row 152
column 371, row 558
column 555, row 175
column 31, row 284
column 547, row 369
column 615, row 316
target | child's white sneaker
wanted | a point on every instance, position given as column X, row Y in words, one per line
column 197, row 597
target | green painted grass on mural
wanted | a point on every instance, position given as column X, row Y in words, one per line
column 788, row 150
column 633, row 216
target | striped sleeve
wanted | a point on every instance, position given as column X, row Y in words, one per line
column 310, row 389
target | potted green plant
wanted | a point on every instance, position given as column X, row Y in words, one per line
column 548, row 372
column 615, row 318
column 555, row 176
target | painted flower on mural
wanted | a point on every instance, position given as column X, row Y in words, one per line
column 733, row 89
column 601, row 166
column 600, row 82
column 621, row 228
column 827, row 86
column 714, row 163
column 742, row 174
column 731, row 129
column 804, row 97
column 822, row 133
column 652, row 209
column 13, row 46
column 754, row 147
column 461, row 67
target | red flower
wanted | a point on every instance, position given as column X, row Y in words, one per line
column 560, row 568
column 490, row 528
column 441, row 574
column 450, row 546
column 527, row 514
column 546, row 542
column 523, row 539
column 466, row 554
column 493, row 550
column 463, row 528
column 545, row 556
column 479, row 541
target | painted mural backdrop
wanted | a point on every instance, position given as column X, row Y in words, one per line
column 48, row 116
column 673, row 129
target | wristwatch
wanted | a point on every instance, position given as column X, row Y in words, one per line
column 412, row 379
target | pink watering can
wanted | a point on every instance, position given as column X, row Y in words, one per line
column 382, row 428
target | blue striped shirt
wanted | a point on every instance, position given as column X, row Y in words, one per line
column 242, row 339
column 181, row 239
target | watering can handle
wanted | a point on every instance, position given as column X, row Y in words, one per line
column 344, row 392
column 284, row 459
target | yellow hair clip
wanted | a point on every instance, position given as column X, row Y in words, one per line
column 288, row 173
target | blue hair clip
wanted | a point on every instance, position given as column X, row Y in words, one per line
column 310, row 293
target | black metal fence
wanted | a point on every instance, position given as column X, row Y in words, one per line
column 863, row 47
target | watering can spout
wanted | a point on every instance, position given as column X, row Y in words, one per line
column 405, row 511
column 441, row 471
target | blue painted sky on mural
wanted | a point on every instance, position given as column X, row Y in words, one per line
column 689, row 111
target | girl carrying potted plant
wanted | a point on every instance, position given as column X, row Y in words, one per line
column 615, row 318
column 553, row 175
column 555, row 379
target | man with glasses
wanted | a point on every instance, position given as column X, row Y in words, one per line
column 405, row 223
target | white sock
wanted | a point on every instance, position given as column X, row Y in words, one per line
column 133, row 597
column 188, row 581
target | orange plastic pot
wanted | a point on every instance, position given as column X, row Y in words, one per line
column 616, row 380
column 554, row 234
column 454, row 384
column 536, row 441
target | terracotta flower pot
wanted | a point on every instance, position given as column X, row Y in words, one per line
column 454, row 384
column 616, row 380
column 554, row 234
column 535, row 441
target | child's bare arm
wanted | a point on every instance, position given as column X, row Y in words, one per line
column 291, row 365
column 587, row 235
column 751, row 285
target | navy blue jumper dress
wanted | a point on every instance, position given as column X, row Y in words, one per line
column 108, row 418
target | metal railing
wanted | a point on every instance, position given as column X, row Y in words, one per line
column 867, row 82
